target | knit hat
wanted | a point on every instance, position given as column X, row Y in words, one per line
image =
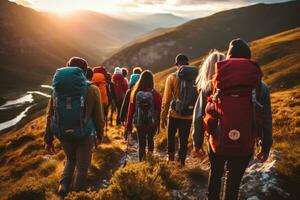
column 118, row 70
column 133, row 79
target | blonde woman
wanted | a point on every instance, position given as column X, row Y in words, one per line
column 204, row 81
column 204, row 85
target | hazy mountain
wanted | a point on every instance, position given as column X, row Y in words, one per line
column 160, row 20
column 197, row 37
column 34, row 43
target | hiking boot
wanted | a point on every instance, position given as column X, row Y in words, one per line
column 171, row 156
column 62, row 190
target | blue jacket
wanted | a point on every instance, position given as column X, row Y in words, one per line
column 264, row 99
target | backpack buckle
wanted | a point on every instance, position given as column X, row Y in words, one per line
column 81, row 101
column 69, row 103
column 254, row 96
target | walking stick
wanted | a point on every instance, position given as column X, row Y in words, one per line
column 127, row 151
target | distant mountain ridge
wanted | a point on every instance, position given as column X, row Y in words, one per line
column 195, row 38
column 34, row 43
column 278, row 55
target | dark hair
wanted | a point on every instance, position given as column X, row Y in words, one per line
column 89, row 73
column 238, row 48
column 146, row 81
column 181, row 59
column 124, row 71
column 78, row 62
column 137, row 70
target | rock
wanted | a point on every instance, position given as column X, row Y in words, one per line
column 253, row 198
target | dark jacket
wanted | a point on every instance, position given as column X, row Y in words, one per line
column 264, row 99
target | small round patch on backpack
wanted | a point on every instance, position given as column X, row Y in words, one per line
column 234, row 134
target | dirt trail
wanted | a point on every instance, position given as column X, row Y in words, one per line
column 260, row 180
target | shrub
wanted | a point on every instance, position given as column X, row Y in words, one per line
column 83, row 196
column 28, row 192
column 145, row 180
column 48, row 168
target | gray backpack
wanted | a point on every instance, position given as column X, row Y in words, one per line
column 145, row 115
column 188, row 94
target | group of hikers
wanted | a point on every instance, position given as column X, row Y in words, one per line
column 224, row 101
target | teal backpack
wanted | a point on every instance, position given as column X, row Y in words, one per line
column 69, row 120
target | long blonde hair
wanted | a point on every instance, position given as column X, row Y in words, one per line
column 207, row 70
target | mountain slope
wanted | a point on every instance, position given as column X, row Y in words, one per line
column 25, row 170
column 160, row 20
column 278, row 55
column 197, row 37
column 33, row 44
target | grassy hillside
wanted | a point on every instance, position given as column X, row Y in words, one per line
column 28, row 173
column 198, row 36
column 278, row 56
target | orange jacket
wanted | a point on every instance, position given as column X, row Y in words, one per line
column 99, row 80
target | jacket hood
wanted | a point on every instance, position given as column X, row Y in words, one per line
column 133, row 79
column 117, row 76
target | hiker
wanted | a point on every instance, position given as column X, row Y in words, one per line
column 144, row 112
column 121, row 86
column 179, row 99
column 111, row 97
column 234, row 108
column 136, row 73
column 100, row 80
column 74, row 113
column 125, row 73
column 89, row 74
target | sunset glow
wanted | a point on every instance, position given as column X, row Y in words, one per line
column 187, row 8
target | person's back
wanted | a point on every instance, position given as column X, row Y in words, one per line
column 236, row 86
column 100, row 81
column 178, row 103
column 74, row 112
column 144, row 112
column 120, row 86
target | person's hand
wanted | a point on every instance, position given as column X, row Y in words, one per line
column 262, row 157
column 198, row 153
column 164, row 123
column 49, row 147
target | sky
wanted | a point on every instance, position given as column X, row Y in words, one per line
column 184, row 8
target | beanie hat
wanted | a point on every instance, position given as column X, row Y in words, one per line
column 118, row 70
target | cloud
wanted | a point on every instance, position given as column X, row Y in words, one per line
column 185, row 8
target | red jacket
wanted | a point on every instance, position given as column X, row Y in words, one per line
column 120, row 85
column 157, row 106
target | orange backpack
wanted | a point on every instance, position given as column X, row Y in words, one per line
column 99, row 81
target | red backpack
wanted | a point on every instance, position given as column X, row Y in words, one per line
column 120, row 85
column 231, row 112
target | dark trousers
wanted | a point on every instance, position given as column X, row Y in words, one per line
column 145, row 137
column 78, row 156
column 112, row 111
column 183, row 126
column 118, row 105
column 235, row 168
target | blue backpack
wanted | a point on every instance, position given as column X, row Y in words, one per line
column 69, row 120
